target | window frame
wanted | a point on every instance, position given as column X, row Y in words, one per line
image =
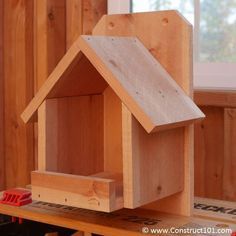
column 217, row 76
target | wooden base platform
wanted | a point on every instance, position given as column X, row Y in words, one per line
column 125, row 222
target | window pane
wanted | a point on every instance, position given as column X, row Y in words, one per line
column 184, row 6
column 217, row 38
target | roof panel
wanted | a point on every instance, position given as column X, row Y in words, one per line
column 140, row 81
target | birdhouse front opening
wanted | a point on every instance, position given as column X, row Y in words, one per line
column 80, row 138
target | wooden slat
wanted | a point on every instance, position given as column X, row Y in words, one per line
column 145, row 157
column 166, row 107
column 209, row 153
column 2, row 131
column 93, row 10
column 229, row 175
column 88, row 192
column 40, row 43
column 82, row 16
column 219, row 98
column 175, row 55
column 112, row 133
column 72, row 183
column 49, row 42
column 42, row 162
column 56, row 32
column 74, row 21
column 18, row 74
column 50, row 37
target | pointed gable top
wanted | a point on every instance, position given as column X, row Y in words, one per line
column 137, row 78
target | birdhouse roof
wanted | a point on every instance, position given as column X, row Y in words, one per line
column 123, row 63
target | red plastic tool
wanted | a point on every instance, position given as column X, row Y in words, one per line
column 16, row 197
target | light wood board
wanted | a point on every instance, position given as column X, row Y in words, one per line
column 215, row 154
column 18, row 90
column 209, row 153
column 89, row 192
column 2, row 128
column 229, row 177
column 82, row 16
column 219, row 98
column 152, row 163
column 112, row 132
column 156, row 30
column 50, row 37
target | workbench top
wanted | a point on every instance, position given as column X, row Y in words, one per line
column 122, row 222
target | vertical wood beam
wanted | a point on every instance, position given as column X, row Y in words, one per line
column 42, row 137
column 47, row 129
column 74, row 21
column 56, row 32
column 50, row 37
column 49, row 44
column 40, row 43
column 209, row 153
column 57, row 24
column 229, row 174
column 2, row 162
column 18, row 74
column 93, row 10
column 82, row 16
column 168, row 51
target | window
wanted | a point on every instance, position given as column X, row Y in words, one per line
column 214, row 36
column 185, row 7
column 214, row 23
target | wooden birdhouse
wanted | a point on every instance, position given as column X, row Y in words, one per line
column 115, row 115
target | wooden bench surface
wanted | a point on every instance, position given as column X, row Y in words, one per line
column 122, row 222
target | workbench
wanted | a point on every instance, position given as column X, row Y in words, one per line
column 207, row 213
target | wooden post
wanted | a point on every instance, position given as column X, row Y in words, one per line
column 18, row 74
column 229, row 175
column 82, row 16
column 74, row 21
column 2, row 162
